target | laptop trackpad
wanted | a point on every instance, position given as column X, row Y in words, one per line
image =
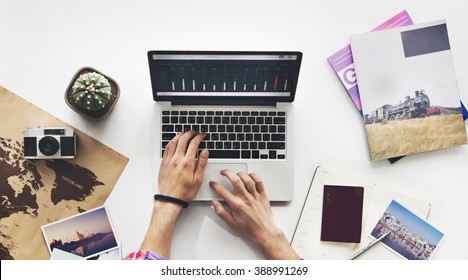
column 212, row 174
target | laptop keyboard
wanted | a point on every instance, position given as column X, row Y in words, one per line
column 231, row 134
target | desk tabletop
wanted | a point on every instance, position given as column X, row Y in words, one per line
column 44, row 43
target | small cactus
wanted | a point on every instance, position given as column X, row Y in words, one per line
column 91, row 91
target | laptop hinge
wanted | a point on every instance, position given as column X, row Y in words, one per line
column 249, row 102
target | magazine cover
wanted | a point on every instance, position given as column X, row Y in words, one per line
column 408, row 90
column 342, row 61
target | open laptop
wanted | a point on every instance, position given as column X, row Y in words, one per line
column 242, row 100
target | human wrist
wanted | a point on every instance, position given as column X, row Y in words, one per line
column 172, row 199
column 277, row 247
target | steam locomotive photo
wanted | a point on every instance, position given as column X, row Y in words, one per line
column 418, row 106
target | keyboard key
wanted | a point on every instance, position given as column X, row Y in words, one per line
column 255, row 154
column 183, row 113
column 167, row 128
column 224, row 154
column 175, row 113
column 262, row 145
column 276, row 146
column 166, row 113
column 168, row 136
column 278, row 137
column 281, row 156
column 272, row 154
column 245, row 154
column 244, row 145
column 279, row 120
column 165, row 119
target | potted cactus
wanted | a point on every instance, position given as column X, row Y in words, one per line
column 91, row 93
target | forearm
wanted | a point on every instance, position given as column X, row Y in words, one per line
column 277, row 247
column 161, row 228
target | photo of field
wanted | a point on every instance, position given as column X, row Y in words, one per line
column 404, row 137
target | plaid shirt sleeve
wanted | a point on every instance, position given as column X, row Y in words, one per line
column 144, row 255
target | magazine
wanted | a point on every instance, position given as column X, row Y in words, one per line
column 343, row 64
column 408, row 90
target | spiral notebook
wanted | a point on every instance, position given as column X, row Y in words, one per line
column 306, row 239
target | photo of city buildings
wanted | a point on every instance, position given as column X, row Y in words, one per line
column 410, row 236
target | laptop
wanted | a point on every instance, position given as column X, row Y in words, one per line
column 242, row 100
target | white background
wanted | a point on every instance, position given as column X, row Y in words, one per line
column 43, row 44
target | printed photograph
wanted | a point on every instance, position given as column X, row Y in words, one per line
column 87, row 235
column 410, row 236
column 408, row 90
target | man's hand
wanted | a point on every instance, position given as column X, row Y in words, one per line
column 251, row 214
column 180, row 174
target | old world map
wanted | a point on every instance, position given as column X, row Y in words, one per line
column 34, row 193
column 22, row 180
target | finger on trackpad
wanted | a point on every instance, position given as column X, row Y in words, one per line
column 212, row 174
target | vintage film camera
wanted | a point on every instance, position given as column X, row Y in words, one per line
column 49, row 143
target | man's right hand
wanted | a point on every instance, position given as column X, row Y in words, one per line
column 251, row 214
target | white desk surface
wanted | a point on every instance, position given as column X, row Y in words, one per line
column 43, row 43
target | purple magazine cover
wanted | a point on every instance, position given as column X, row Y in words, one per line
column 343, row 64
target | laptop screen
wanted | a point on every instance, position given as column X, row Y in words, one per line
column 224, row 75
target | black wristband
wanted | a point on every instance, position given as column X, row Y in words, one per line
column 171, row 199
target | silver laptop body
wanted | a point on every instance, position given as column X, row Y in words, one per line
column 242, row 100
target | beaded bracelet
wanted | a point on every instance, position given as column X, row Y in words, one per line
column 171, row 199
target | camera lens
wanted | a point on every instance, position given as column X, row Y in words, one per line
column 48, row 145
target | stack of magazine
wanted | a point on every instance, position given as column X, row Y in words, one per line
column 408, row 94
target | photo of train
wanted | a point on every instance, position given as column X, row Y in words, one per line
column 418, row 106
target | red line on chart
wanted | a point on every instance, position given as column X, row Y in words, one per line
column 276, row 82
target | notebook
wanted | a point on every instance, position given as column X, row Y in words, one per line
column 242, row 100
column 306, row 240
